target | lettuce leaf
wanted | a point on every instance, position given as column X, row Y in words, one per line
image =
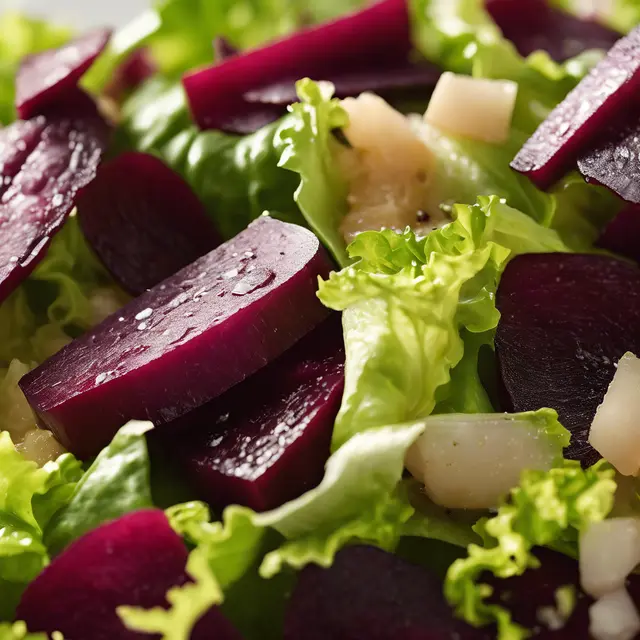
column 406, row 302
column 116, row 483
column 306, row 145
column 547, row 509
column 29, row 497
column 18, row 631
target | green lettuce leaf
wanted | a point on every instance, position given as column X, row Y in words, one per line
column 29, row 498
column 406, row 302
column 21, row 36
column 306, row 146
column 116, row 483
column 547, row 509
column 18, row 631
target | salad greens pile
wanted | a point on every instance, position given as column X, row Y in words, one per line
column 418, row 313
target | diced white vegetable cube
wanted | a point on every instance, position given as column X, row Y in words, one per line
column 473, row 107
column 471, row 461
column 609, row 552
column 40, row 446
column 614, row 617
column 615, row 431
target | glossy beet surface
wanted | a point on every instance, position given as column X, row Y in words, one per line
column 575, row 124
column 622, row 234
column 266, row 440
column 187, row 340
column 45, row 77
column 566, row 321
column 143, row 221
column 534, row 25
column 377, row 35
column 44, row 162
column 133, row 561
column 613, row 160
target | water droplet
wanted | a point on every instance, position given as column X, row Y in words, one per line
column 120, row 319
column 57, row 200
column 144, row 314
column 252, row 281
column 142, row 326
column 101, row 378
column 230, row 274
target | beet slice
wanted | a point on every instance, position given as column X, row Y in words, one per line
column 44, row 163
column 566, row 320
column 187, row 340
column 534, row 25
column 377, row 35
column 130, row 74
column 272, row 448
column 143, row 221
column 602, row 97
column 622, row 234
column 613, row 160
column 44, row 77
column 131, row 561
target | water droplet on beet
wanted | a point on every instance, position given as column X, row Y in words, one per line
column 253, row 281
column 44, row 78
column 144, row 314
column 231, row 343
column 58, row 157
column 602, row 97
column 144, row 221
column 132, row 561
column 566, row 319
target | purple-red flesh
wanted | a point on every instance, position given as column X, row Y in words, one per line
column 187, row 340
column 622, row 234
column 378, row 34
column 266, row 440
column 575, row 124
column 44, row 78
column 566, row 320
column 143, row 221
column 131, row 561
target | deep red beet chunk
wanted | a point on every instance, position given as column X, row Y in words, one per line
column 266, row 441
column 613, row 160
column 574, row 125
column 185, row 341
column 533, row 25
column 143, row 221
column 622, row 234
column 377, row 35
column 130, row 74
column 44, row 77
column 131, row 561
column 566, row 320
column 44, row 163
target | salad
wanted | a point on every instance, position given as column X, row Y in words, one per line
column 319, row 319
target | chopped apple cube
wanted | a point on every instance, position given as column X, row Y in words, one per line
column 609, row 552
column 473, row 107
column 471, row 461
column 615, row 431
column 614, row 617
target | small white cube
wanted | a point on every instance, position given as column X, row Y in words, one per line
column 473, row 107
column 614, row 617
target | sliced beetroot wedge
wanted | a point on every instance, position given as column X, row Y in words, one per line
column 622, row 234
column 44, row 77
column 131, row 561
column 44, row 163
column 534, row 25
column 143, row 221
column 377, row 35
column 187, row 340
column 602, row 97
column 566, row 320
column 266, row 440
column 130, row 74
column 613, row 160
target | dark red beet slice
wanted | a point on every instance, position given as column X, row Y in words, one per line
column 566, row 321
column 574, row 125
column 44, row 163
column 44, row 77
column 143, row 221
column 613, row 160
column 375, row 36
column 266, row 440
column 187, row 340
column 622, row 234
column 533, row 25
column 129, row 75
column 132, row 561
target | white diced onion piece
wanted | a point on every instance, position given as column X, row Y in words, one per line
column 614, row 617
